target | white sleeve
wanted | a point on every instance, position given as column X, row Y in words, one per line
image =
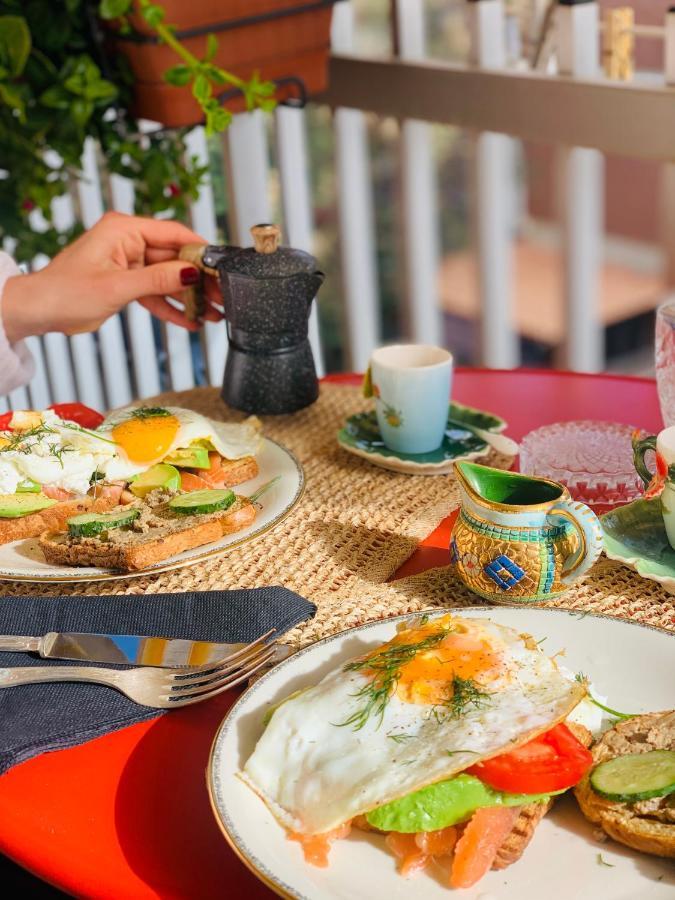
column 16, row 363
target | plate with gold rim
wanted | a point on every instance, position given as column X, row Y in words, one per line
column 361, row 436
column 633, row 664
column 23, row 560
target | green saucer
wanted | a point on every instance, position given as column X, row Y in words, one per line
column 361, row 436
column 635, row 535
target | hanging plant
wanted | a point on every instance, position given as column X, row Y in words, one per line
column 57, row 89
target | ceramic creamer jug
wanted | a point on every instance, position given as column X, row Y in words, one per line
column 267, row 295
column 519, row 539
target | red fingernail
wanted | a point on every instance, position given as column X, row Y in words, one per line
column 189, row 275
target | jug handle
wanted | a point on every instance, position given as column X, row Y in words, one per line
column 589, row 530
column 640, row 447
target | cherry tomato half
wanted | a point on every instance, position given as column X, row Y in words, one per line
column 5, row 419
column 78, row 413
column 551, row 762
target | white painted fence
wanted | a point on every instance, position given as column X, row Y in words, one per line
column 133, row 357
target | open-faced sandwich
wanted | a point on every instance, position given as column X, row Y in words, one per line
column 630, row 792
column 69, row 461
column 450, row 740
column 148, row 531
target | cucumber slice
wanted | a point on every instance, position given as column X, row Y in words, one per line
column 197, row 502
column 28, row 487
column 636, row 776
column 160, row 476
column 13, row 506
column 91, row 524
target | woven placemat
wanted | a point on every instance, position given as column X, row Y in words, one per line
column 356, row 524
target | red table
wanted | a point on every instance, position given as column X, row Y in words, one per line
column 127, row 815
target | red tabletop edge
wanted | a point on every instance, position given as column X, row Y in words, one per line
column 127, row 815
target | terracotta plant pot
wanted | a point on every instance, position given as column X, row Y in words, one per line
column 287, row 41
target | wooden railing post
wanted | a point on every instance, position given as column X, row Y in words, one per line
column 420, row 221
column 580, row 174
column 493, row 212
column 355, row 214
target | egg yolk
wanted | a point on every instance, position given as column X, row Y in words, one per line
column 145, row 440
column 462, row 653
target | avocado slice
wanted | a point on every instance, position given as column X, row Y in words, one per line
column 159, row 476
column 13, row 506
column 189, row 458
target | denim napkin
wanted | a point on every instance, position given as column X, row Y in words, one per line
column 41, row 717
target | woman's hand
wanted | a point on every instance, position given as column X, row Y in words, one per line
column 122, row 258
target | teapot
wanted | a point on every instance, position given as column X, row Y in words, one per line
column 518, row 539
column 267, row 294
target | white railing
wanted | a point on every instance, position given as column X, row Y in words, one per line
column 576, row 109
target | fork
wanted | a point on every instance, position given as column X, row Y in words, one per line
column 159, row 688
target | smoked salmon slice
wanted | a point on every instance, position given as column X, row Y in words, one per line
column 477, row 847
column 316, row 847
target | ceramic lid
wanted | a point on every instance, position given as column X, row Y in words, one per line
column 266, row 259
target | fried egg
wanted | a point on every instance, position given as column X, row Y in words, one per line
column 52, row 453
column 144, row 436
column 439, row 697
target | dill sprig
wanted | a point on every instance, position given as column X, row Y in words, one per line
column 149, row 412
column 386, row 667
column 74, row 427
column 583, row 679
column 464, row 695
column 20, row 442
column 57, row 452
column 400, row 738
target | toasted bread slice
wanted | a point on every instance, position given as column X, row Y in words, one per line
column 132, row 551
column 531, row 815
column 238, row 470
column 648, row 825
column 52, row 519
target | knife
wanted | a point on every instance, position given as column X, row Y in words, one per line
column 127, row 649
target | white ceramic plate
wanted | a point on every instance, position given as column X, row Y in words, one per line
column 24, row 561
column 633, row 665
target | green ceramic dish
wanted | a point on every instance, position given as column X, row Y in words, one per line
column 635, row 535
column 362, row 437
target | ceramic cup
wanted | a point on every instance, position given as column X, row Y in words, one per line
column 664, row 445
column 411, row 386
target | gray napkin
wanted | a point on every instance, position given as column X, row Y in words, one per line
column 40, row 717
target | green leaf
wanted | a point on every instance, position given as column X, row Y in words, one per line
column 15, row 43
column 201, row 89
column 113, row 9
column 211, row 47
column 153, row 15
column 10, row 95
column 56, row 97
column 179, row 75
column 81, row 111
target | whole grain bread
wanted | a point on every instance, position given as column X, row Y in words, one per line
column 52, row 519
column 152, row 539
column 238, row 470
column 648, row 825
column 531, row 815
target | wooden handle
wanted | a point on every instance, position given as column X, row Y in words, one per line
column 266, row 238
column 192, row 253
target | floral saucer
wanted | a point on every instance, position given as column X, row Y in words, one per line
column 361, row 436
column 635, row 535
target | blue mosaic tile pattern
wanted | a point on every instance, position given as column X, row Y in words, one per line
column 504, row 572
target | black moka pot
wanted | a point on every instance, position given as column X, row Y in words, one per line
column 267, row 294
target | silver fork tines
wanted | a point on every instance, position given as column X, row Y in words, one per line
column 159, row 688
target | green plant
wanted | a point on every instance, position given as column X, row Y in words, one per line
column 54, row 94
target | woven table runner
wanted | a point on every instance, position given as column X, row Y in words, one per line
column 355, row 525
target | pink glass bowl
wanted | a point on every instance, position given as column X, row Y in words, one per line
column 593, row 459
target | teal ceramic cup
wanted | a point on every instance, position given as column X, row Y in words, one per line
column 411, row 385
